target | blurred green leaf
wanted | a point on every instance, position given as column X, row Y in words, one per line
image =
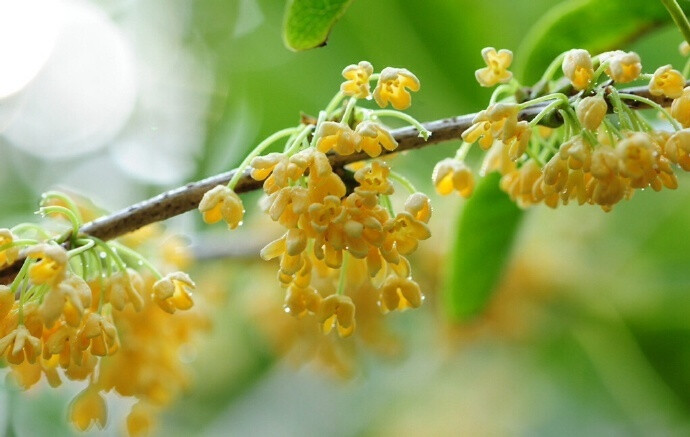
column 308, row 22
column 485, row 233
column 593, row 25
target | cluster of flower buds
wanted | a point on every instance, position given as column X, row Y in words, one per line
column 341, row 232
column 601, row 152
column 88, row 310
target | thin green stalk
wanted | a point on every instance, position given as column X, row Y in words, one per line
column 552, row 68
column 678, row 17
column 544, row 112
column 386, row 203
column 654, row 105
column 15, row 243
column 402, row 180
column 76, row 223
column 560, row 96
column 297, row 142
column 138, row 257
column 64, row 198
column 462, row 152
column 423, row 132
column 257, row 151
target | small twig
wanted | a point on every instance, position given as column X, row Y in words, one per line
column 186, row 198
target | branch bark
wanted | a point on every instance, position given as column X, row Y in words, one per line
column 186, row 198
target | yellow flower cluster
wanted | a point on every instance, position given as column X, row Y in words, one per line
column 327, row 220
column 594, row 158
column 87, row 314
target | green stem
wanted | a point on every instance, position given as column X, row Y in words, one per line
column 552, row 68
column 296, row 144
column 462, row 152
column 257, row 151
column 30, row 226
column 423, row 132
column 544, row 112
column 402, row 180
column 139, row 258
column 560, row 96
column 335, row 101
column 343, row 273
column 76, row 223
column 15, row 243
column 79, row 250
column 653, row 104
column 598, row 72
column 497, row 92
column 612, row 129
column 686, row 68
column 386, row 203
column 678, row 17
column 66, row 199
column 348, row 110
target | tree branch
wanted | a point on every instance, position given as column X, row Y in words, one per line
column 186, row 198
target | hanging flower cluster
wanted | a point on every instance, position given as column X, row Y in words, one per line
column 87, row 310
column 602, row 151
column 337, row 227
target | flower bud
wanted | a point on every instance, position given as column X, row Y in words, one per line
column 591, row 112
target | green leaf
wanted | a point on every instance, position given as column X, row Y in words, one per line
column 485, row 234
column 594, row 25
column 308, row 22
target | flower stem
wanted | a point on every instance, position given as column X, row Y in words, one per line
column 678, row 17
column 423, row 132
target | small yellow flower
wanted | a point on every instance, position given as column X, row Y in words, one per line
column 680, row 108
column 392, row 88
column 400, row 293
column 222, row 203
column 173, row 292
column 374, row 178
column 357, row 83
column 373, row 136
column 7, row 256
column 577, row 67
column 337, row 137
column 20, row 345
column 140, row 420
column 452, row 174
column 591, row 112
column 98, row 334
column 496, row 70
column 517, row 144
column 321, row 215
column 677, row 149
column 302, row 300
column 637, row 159
column 337, row 310
column 623, row 67
column 667, row 81
column 88, row 408
column 124, row 287
column 69, row 298
column 684, row 48
column 52, row 265
column 419, row 205
column 406, row 231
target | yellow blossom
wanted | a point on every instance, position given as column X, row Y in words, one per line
column 373, row 136
column 637, row 159
column 405, row 231
column 173, row 292
column 498, row 121
column 7, row 299
column 680, row 108
column 69, row 298
column 9, row 255
column 337, row 137
column 337, row 310
column 392, row 88
column 124, row 287
column 452, row 174
column 577, row 67
column 684, row 48
column 496, row 70
column 591, row 112
column 222, row 203
column 677, row 149
column 140, row 420
column 357, row 83
column 667, row 81
column 374, row 178
column 88, row 408
column 20, row 345
column 52, row 265
column 623, row 67
column 419, row 206
column 400, row 293
column 302, row 300
column 98, row 334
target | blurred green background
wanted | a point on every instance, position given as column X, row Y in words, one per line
column 587, row 334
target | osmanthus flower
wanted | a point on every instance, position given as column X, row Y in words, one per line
column 392, row 88
column 498, row 121
column 591, row 112
column 451, row 175
column 419, row 206
column 637, row 159
column 405, row 231
column 373, row 137
column 519, row 183
column 173, row 292
column 222, row 203
column 7, row 300
column 98, row 334
column 400, row 293
column 357, row 83
column 497, row 159
column 300, row 301
column 20, row 345
column 51, row 266
column 373, row 178
column 623, row 67
column 140, row 420
column 518, row 142
column 337, row 311
column 337, row 136
column 88, row 408
column 684, row 48
column 677, row 149
column 69, row 299
column 9, row 255
column 680, row 108
column 667, row 82
column 124, row 287
column 577, row 67
column 496, row 70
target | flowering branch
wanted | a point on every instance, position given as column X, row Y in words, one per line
column 182, row 199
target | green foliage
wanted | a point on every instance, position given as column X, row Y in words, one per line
column 588, row 24
column 308, row 22
column 485, row 233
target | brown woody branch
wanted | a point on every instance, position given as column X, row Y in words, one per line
column 186, row 198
